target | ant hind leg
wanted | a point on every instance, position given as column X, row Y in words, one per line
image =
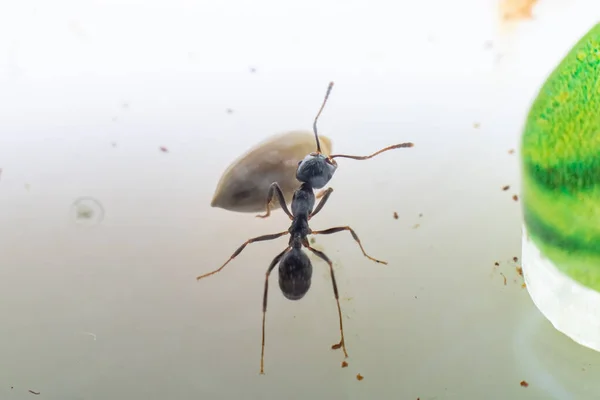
column 271, row 266
column 342, row 343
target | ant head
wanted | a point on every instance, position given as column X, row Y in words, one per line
column 295, row 273
column 316, row 170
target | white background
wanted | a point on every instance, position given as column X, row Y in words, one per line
column 89, row 91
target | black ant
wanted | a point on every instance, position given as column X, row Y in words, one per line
column 295, row 268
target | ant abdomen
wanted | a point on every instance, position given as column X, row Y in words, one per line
column 295, row 273
column 316, row 170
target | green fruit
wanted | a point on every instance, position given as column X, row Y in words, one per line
column 561, row 164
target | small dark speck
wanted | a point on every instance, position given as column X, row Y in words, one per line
column 420, row 215
column 496, row 263
column 505, row 188
column 511, row 151
column 32, row 392
column 515, row 258
column 416, row 297
column 524, row 383
column 229, row 111
column 164, row 149
column 395, row 215
column 515, row 197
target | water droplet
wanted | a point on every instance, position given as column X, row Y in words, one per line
column 87, row 211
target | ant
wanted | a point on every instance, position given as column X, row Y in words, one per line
column 295, row 268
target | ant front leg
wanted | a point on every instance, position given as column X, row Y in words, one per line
column 271, row 266
column 342, row 343
column 325, row 194
column 242, row 247
column 275, row 189
column 354, row 236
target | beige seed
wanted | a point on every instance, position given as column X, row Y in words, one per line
column 245, row 183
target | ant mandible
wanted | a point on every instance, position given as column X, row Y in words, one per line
column 295, row 268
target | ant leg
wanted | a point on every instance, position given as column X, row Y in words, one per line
column 325, row 195
column 396, row 146
column 275, row 189
column 342, row 343
column 273, row 264
column 321, row 193
column 347, row 228
column 239, row 250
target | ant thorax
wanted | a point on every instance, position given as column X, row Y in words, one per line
column 316, row 170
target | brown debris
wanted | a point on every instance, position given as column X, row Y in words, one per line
column 511, row 151
column 503, row 276
column 520, row 271
column 344, row 364
column 515, row 258
column 164, row 149
column 515, row 197
column 395, row 213
column 359, row 377
column 515, row 10
column 505, row 188
column 524, row 383
column 497, row 264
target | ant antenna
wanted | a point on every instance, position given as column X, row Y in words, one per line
column 319, row 113
column 396, row 146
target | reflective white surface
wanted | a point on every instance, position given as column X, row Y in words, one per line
column 110, row 308
column 571, row 307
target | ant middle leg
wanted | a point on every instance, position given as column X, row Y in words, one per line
column 271, row 266
column 242, row 247
column 342, row 343
column 395, row 146
column 274, row 189
column 354, row 236
column 325, row 196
